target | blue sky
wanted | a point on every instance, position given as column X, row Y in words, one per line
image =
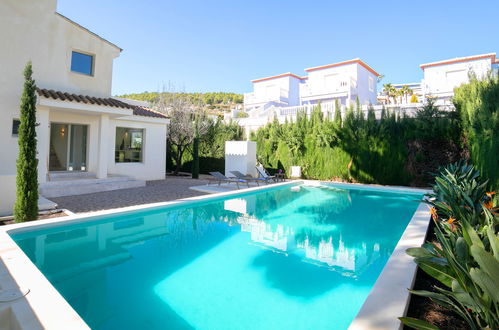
column 210, row 46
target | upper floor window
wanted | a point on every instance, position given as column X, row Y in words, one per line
column 82, row 63
column 371, row 84
column 15, row 127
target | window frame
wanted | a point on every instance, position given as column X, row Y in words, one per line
column 142, row 149
column 92, row 74
column 12, row 127
column 371, row 84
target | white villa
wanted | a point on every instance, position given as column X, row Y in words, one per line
column 344, row 81
column 441, row 77
column 83, row 132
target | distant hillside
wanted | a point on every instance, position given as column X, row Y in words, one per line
column 214, row 102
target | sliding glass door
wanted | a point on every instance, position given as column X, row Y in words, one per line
column 68, row 147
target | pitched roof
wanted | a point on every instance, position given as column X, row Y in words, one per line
column 287, row 74
column 104, row 101
column 355, row 60
column 492, row 57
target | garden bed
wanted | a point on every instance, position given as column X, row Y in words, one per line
column 41, row 216
column 423, row 308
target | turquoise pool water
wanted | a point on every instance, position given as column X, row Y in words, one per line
column 292, row 257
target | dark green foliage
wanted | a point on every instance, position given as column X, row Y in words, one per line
column 212, row 147
column 195, row 158
column 353, row 148
column 26, row 205
column 478, row 106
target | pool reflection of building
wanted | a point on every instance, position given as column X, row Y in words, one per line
column 283, row 239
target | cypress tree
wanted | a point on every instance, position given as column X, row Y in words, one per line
column 337, row 113
column 26, row 205
column 195, row 158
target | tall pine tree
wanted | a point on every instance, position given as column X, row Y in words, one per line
column 26, row 206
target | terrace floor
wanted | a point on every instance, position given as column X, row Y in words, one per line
column 155, row 191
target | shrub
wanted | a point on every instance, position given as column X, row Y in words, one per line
column 414, row 98
column 465, row 258
column 242, row 114
column 478, row 106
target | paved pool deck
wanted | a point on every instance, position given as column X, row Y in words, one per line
column 170, row 189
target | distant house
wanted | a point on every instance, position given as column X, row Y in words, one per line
column 440, row 78
column 83, row 132
column 344, row 82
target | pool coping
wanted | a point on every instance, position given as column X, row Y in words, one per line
column 381, row 311
column 36, row 309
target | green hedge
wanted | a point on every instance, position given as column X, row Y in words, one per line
column 357, row 147
column 478, row 106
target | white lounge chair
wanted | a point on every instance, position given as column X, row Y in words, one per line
column 241, row 176
column 219, row 177
column 263, row 174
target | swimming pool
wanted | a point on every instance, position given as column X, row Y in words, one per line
column 293, row 256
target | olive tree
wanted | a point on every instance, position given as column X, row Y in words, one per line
column 188, row 122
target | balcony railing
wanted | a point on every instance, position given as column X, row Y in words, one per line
column 340, row 87
column 279, row 95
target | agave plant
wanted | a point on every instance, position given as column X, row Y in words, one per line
column 465, row 258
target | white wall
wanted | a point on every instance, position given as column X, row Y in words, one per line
column 153, row 155
column 270, row 90
column 317, row 79
column 240, row 156
column 294, row 91
column 365, row 94
column 7, row 194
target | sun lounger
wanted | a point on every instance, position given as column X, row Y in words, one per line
column 239, row 175
column 219, row 177
column 263, row 173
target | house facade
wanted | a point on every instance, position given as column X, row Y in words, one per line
column 344, row 82
column 440, row 78
column 81, row 129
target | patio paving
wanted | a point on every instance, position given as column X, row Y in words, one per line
column 155, row 191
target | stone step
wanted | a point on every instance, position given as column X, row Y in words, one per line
column 69, row 175
column 82, row 186
column 81, row 181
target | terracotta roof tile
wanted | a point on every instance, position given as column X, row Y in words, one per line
column 109, row 101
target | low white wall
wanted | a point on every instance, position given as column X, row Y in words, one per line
column 7, row 194
column 153, row 162
column 240, row 156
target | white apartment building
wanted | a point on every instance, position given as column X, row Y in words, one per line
column 344, row 81
column 281, row 97
column 86, row 138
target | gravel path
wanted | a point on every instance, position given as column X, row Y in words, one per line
column 155, row 191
